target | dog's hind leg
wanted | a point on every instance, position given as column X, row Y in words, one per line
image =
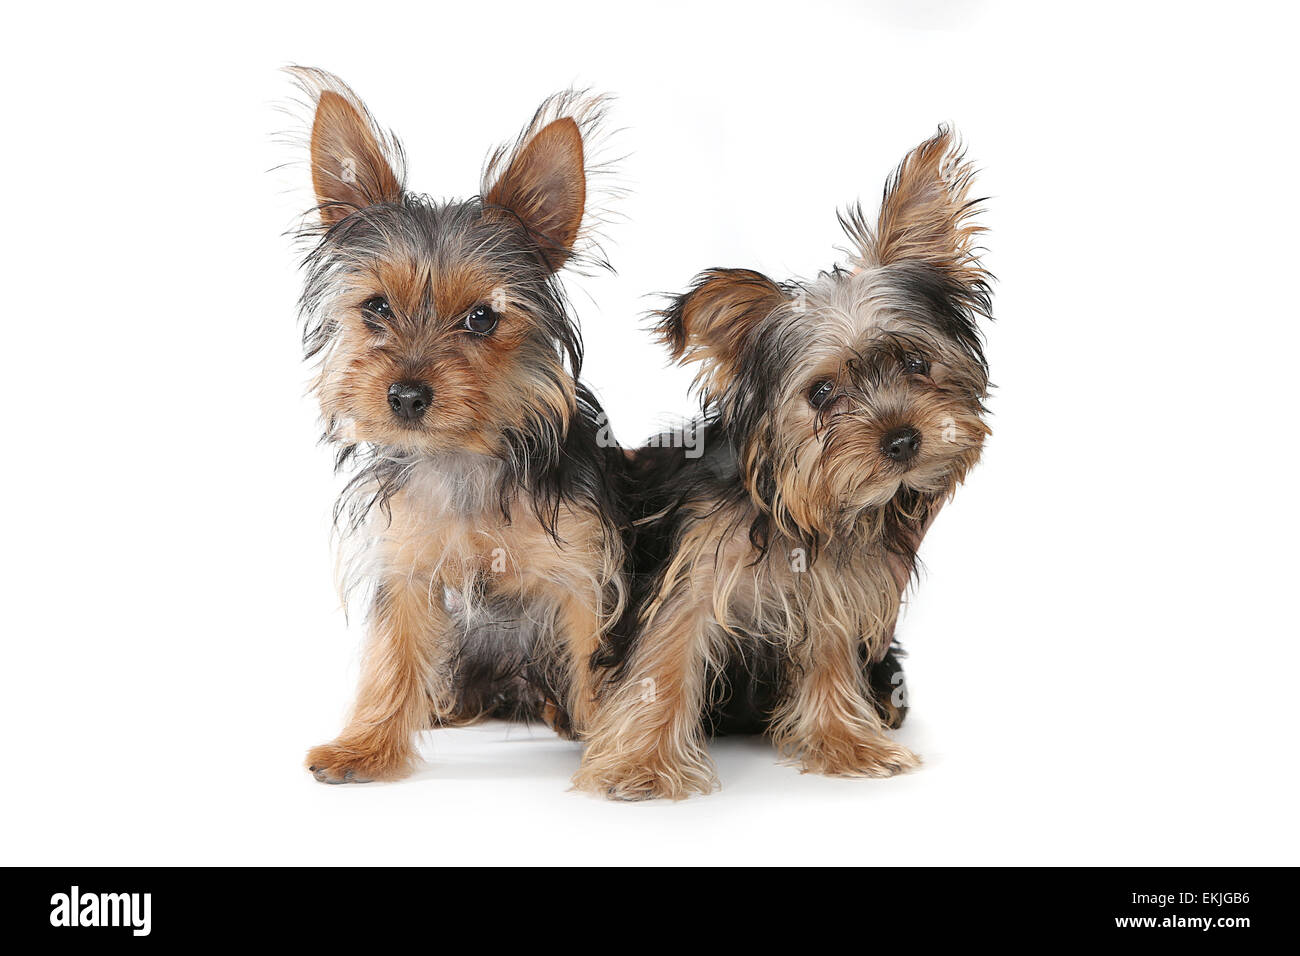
column 888, row 686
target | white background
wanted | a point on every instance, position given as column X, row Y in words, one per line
column 1103, row 648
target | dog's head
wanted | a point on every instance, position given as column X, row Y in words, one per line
column 441, row 326
column 866, row 380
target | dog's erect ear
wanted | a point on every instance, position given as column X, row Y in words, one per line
column 926, row 215
column 710, row 323
column 544, row 184
column 354, row 165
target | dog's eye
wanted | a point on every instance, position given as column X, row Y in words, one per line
column 820, row 392
column 374, row 312
column 481, row 320
column 916, row 365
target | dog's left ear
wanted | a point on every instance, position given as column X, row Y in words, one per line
column 544, row 184
column 926, row 215
column 711, row 323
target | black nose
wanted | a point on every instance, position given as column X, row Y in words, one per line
column 902, row 444
column 408, row 400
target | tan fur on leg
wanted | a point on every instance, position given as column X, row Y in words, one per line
column 828, row 724
column 398, row 680
column 581, row 629
column 648, row 740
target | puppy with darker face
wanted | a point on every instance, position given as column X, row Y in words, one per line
column 840, row 414
column 482, row 526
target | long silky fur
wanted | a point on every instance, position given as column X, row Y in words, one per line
column 728, row 626
column 504, row 657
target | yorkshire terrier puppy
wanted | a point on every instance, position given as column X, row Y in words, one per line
column 483, row 522
column 840, row 414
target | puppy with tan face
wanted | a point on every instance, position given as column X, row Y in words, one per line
column 482, row 525
column 840, row 415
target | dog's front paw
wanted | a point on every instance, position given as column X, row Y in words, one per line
column 647, row 777
column 339, row 762
column 857, row 757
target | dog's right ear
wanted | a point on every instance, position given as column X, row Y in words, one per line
column 711, row 323
column 354, row 164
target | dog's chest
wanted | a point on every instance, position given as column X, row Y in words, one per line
column 453, row 524
column 793, row 589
